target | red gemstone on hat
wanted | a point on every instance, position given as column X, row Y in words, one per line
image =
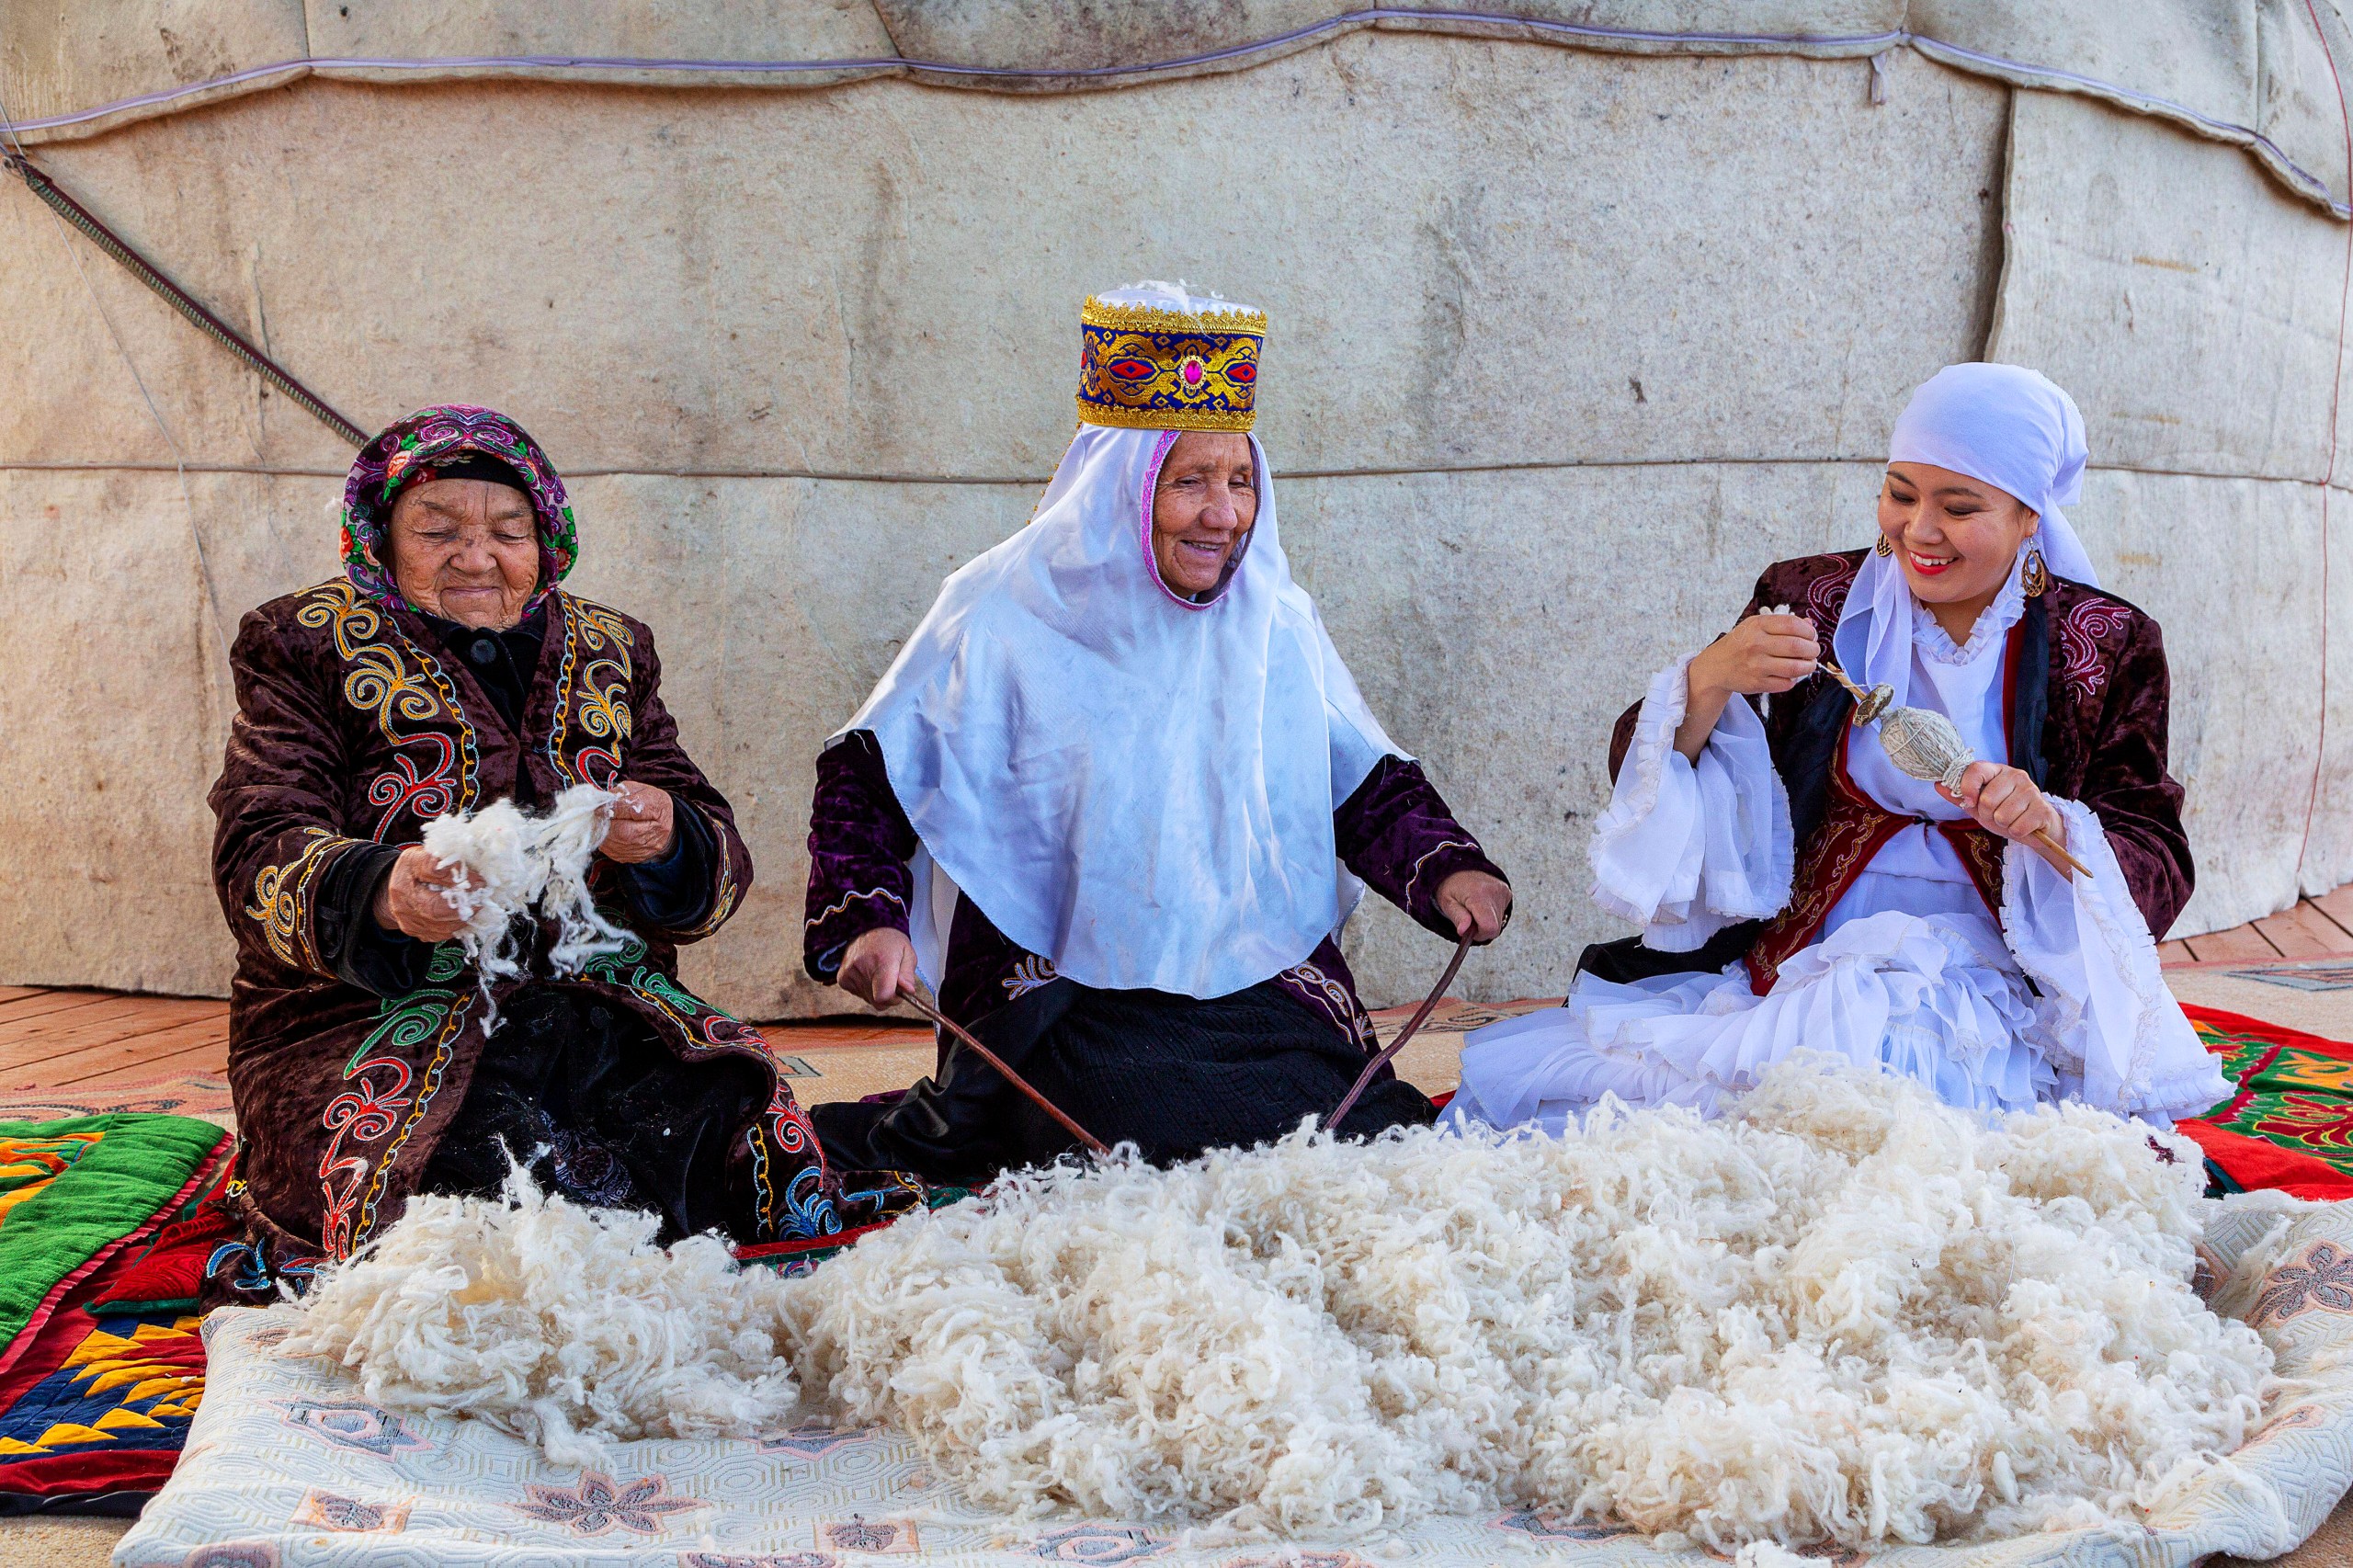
column 1191, row 372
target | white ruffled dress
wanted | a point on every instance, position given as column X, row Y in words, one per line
column 1910, row 972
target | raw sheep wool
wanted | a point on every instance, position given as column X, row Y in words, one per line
column 563, row 1325
column 510, row 865
column 1842, row 1312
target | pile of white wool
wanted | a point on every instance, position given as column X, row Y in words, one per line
column 562, row 1324
column 1842, row 1312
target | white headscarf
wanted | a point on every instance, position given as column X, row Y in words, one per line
column 2001, row 425
column 2008, row 427
column 1136, row 786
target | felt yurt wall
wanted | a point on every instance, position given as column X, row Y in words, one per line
column 1575, row 325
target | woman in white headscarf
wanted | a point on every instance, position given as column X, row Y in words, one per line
column 1796, row 890
column 1110, row 798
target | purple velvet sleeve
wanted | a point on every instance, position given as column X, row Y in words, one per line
column 860, row 843
column 1397, row 835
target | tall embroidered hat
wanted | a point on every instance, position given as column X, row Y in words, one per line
column 1155, row 356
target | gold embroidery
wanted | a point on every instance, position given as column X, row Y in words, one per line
column 1144, row 366
column 378, row 685
column 282, row 900
column 602, row 710
column 339, row 603
column 730, row 885
column 382, row 684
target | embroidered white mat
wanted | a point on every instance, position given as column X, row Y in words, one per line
column 287, row 1467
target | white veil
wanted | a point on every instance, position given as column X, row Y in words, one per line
column 1136, row 786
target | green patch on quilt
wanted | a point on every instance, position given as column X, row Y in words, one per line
column 70, row 1189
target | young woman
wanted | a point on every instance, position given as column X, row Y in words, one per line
column 1797, row 890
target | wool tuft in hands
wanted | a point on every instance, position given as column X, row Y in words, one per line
column 510, row 865
column 1842, row 1312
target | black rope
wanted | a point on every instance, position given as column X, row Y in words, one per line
column 180, row 298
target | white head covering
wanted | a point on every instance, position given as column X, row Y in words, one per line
column 2007, row 425
column 1137, row 786
column 2015, row 429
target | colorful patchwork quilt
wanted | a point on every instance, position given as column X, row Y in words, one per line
column 2291, row 1124
column 95, row 1397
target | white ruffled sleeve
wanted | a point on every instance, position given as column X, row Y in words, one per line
column 1685, row 848
column 2122, row 1041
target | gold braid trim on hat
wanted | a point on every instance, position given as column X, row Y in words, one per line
column 1146, row 367
column 1159, row 318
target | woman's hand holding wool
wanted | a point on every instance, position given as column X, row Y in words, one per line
column 642, row 828
column 2004, row 801
column 413, row 899
column 1766, row 653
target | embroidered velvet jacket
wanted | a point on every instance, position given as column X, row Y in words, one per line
column 356, row 726
column 1394, row 832
column 2086, row 695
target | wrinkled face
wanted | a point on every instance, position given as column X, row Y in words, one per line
column 1956, row 537
column 465, row 549
column 1203, row 507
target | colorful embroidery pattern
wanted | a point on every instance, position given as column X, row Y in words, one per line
column 381, row 1076
column 401, row 686
column 1141, row 366
column 803, row 1208
column 282, row 905
column 2289, row 1122
column 592, row 690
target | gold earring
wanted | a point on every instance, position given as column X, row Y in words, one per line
column 1885, row 546
column 2033, row 577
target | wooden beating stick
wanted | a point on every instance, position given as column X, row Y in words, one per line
column 915, row 1000
column 1462, row 951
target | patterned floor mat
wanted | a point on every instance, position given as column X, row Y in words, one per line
column 2324, row 974
column 95, row 1397
column 2291, row 1124
column 204, row 1096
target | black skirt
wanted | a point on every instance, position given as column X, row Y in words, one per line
column 1172, row 1074
column 584, row 1093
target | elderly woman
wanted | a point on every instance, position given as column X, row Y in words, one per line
column 1109, row 797
column 445, row 670
column 1796, row 889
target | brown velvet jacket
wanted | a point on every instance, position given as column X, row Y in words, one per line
column 353, row 729
column 2086, row 696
